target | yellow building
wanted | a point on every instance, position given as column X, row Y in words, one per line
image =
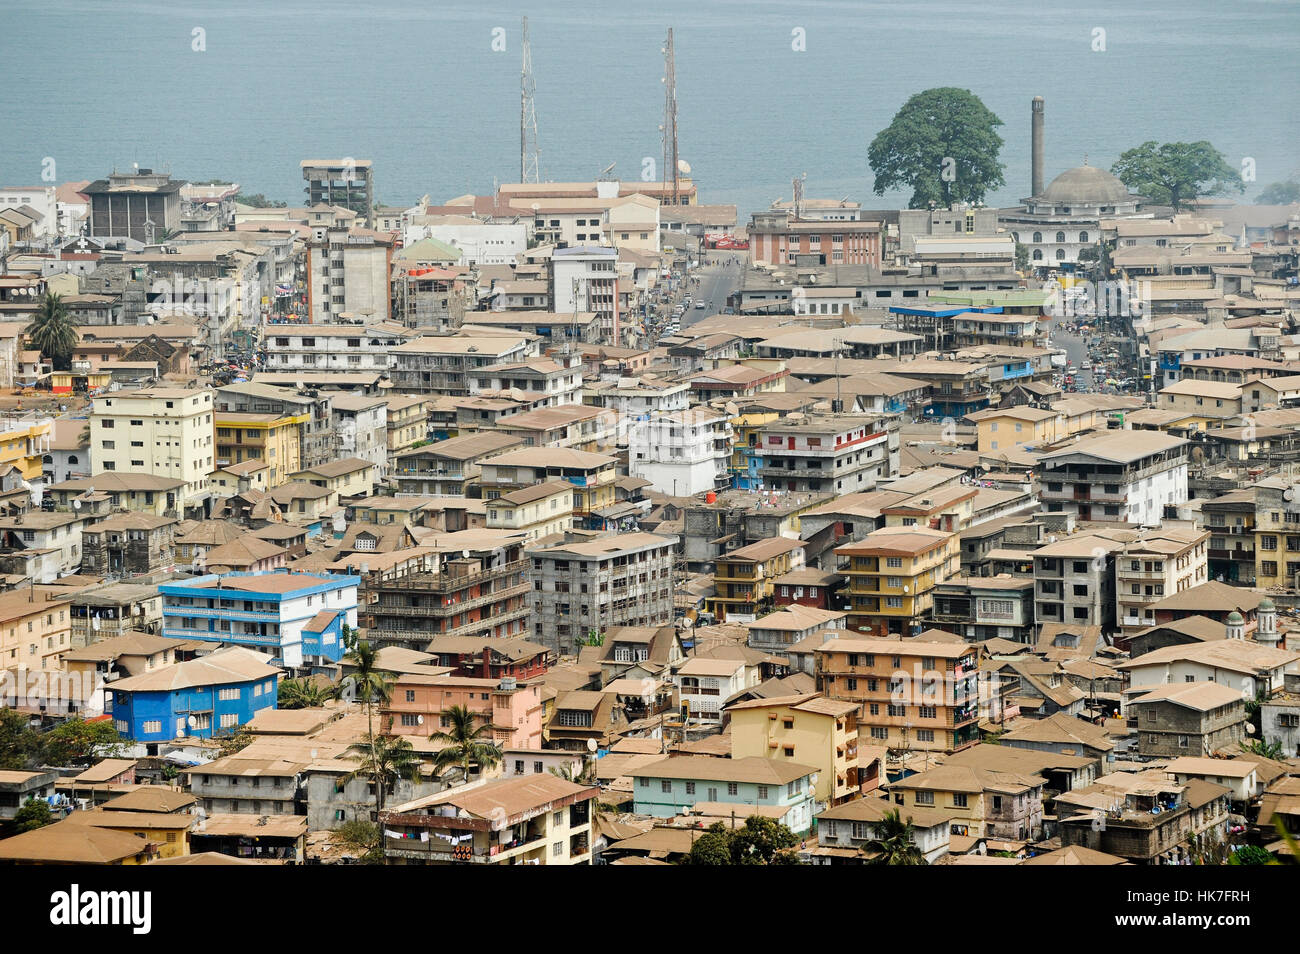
column 592, row 475
column 273, row 438
column 745, row 441
column 537, row 511
column 808, row 729
column 892, row 573
column 1001, row 429
column 408, row 420
column 349, row 477
column 948, row 508
column 35, row 631
column 70, row 843
column 24, row 441
column 167, row 833
column 742, row 579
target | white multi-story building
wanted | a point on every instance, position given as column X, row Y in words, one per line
column 479, row 242
column 361, row 423
column 704, row 685
column 1157, row 564
column 1123, row 477
column 332, row 347
column 166, row 432
column 557, row 378
column 38, row 199
column 683, row 453
column 842, row 453
column 641, row 398
column 585, row 278
column 347, row 274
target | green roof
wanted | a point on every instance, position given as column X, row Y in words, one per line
column 429, row 250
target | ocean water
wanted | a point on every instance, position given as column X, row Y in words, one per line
column 416, row 86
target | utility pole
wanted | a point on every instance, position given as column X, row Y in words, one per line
column 528, row 151
column 670, row 122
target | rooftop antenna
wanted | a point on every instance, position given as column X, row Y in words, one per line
column 528, row 151
column 671, row 172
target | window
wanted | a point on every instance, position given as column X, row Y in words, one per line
column 925, row 798
column 557, row 849
column 733, row 788
column 959, row 800
column 690, row 788
column 762, row 792
column 666, row 786
column 925, row 735
column 152, row 726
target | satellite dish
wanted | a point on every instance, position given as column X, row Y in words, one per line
column 76, row 505
column 683, row 167
column 192, row 722
column 419, row 720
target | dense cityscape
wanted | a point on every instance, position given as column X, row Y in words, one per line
column 598, row 522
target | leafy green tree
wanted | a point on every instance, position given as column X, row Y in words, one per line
column 362, row 836
column 259, row 201
column 1251, row 855
column 1280, row 193
column 1022, row 256
column 584, row 776
column 1176, row 173
column 895, row 842
column 33, row 814
column 20, row 744
column 385, row 761
column 944, row 145
column 760, row 841
column 77, row 742
column 53, row 332
column 711, row 848
column 367, row 681
column 464, row 743
column 234, row 741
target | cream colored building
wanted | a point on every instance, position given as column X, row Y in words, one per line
column 537, row 511
column 166, row 432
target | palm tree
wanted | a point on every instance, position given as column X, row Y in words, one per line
column 302, row 694
column 894, row 843
column 53, row 332
column 385, row 761
column 584, row 776
column 1268, row 750
column 465, row 744
column 367, row 680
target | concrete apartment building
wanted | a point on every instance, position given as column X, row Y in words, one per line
column 910, row 693
column 551, row 381
column 418, row 707
column 167, row 432
column 479, row 242
column 624, row 580
column 444, row 364
column 361, row 422
column 1157, row 564
column 1192, row 718
column 348, row 183
column 447, row 468
column 841, row 453
column 584, row 277
column 480, row 589
column 407, row 421
column 347, row 274
column 1124, row 477
column 743, row 578
column 892, row 573
column 322, row 347
column 1074, row 581
column 682, row 453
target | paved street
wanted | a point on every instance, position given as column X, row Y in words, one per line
column 717, row 281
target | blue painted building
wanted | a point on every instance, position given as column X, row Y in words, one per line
column 203, row 697
column 277, row 612
column 672, row 786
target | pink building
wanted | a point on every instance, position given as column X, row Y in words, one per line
column 417, row 704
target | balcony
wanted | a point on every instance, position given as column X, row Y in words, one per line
column 445, row 607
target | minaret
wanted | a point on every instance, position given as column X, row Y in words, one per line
column 1266, row 632
column 1236, row 626
column 1036, row 147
